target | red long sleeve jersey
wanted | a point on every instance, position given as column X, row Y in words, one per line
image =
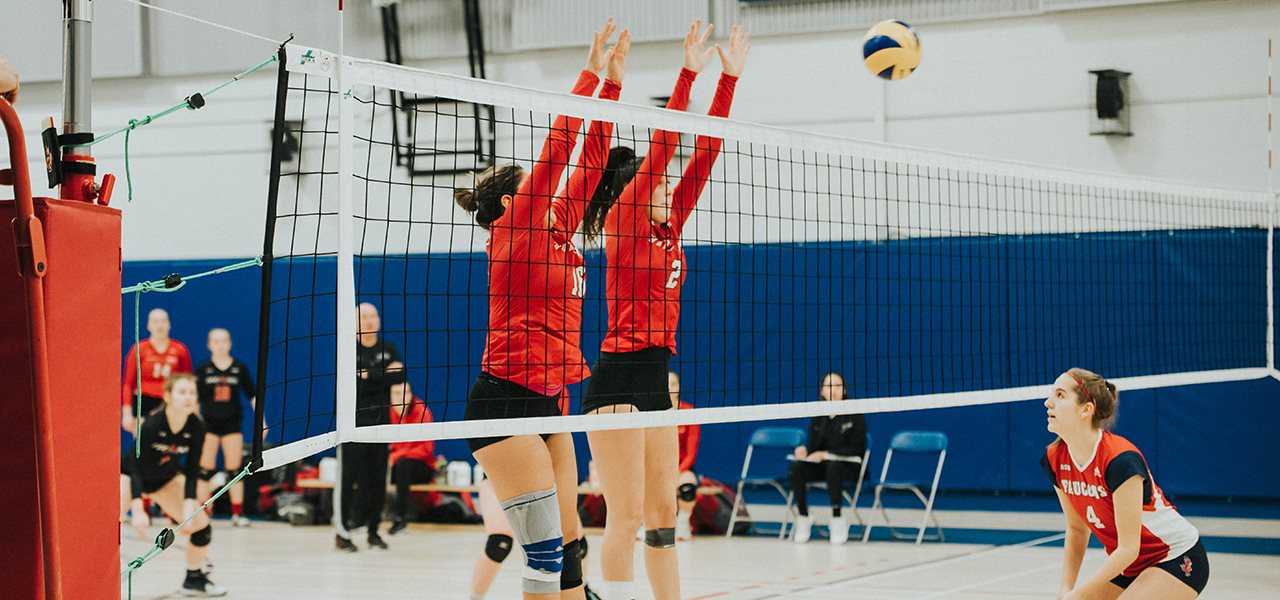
column 423, row 450
column 156, row 367
column 689, row 436
column 646, row 263
column 1090, row 488
column 537, row 276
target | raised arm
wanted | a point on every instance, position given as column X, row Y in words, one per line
column 707, row 149
column 535, row 194
column 631, row 214
column 568, row 208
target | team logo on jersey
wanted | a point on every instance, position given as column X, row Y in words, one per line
column 1081, row 488
column 1064, row 467
column 1097, row 473
column 667, row 244
column 1186, row 566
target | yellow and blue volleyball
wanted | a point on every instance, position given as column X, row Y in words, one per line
column 891, row 50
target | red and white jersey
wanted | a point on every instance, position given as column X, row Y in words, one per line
column 156, row 367
column 537, row 276
column 645, row 262
column 1090, row 486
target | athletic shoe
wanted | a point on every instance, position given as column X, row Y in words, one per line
column 839, row 530
column 376, row 542
column 397, row 527
column 804, row 528
column 589, row 593
column 343, row 544
column 240, row 521
column 199, row 585
column 684, row 529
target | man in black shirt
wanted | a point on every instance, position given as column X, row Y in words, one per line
column 364, row 466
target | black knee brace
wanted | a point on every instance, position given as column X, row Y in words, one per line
column 571, row 576
column 498, row 547
column 660, row 538
column 202, row 538
column 207, row 474
column 688, row 492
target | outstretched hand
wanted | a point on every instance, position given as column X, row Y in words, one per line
column 696, row 54
column 618, row 56
column 733, row 59
column 597, row 59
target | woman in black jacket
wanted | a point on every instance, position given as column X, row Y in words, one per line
column 833, row 454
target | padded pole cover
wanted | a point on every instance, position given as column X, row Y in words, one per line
column 82, row 307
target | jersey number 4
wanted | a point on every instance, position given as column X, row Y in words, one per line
column 674, row 280
column 1093, row 517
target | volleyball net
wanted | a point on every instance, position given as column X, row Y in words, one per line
column 927, row 279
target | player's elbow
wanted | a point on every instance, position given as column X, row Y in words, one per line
column 1126, row 553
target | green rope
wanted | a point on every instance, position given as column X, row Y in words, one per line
column 191, row 102
column 172, row 283
column 165, row 538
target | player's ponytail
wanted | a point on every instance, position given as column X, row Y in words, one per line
column 1102, row 393
column 620, row 170
column 484, row 200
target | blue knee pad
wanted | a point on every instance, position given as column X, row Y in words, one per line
column 535, row 520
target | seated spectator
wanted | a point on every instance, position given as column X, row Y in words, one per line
column 833, row 454
column 687, row 490
column 411, row 462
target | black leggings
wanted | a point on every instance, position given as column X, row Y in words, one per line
column 364, row 485
column 406, row 472
column 836, row 473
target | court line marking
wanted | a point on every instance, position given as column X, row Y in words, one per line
column 969, row 586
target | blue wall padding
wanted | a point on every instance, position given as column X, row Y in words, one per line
column 761, row 322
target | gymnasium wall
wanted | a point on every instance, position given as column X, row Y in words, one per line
column 993, row 448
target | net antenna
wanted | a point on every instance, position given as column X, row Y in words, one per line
column 929, row 279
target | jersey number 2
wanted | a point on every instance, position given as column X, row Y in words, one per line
column 1093, row 517
column 674, row 280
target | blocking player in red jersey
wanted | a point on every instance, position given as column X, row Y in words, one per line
column 686, row 480
column 537, row 279
column 641, row 216
column 1105, row 487
column 160, row 357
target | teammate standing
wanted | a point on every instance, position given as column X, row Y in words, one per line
column 222, row 381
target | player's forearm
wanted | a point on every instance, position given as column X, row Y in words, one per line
column 1072, row 556
column 1115, row 564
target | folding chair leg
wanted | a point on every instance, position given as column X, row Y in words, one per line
column 733, row 512
column 866, row 531
column 787, row 516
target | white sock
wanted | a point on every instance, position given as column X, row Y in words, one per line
column 616, row 590
column 681, row 516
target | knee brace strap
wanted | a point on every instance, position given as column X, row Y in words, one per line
column 207, row 474
column 688, row 492
column 202, row 538
column 498, row 547
column 660, row 538
column 535, row 520
column 571, row 576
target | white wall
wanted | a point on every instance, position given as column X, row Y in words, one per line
column 1014, row 88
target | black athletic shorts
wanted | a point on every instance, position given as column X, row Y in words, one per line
column 1190, row 567
column 637, row 378
column 221, row 425
column 151, row 486
column 494, row 398
column 150, row 404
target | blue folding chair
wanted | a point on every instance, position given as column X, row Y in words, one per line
column 771, row 439
column 790, row 515
column 912, row 442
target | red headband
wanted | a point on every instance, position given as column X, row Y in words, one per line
column 1082, row 388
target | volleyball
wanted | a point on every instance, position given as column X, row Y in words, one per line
column 891, row 49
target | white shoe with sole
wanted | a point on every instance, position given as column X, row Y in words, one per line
column 804, row 528
column 839, row 530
